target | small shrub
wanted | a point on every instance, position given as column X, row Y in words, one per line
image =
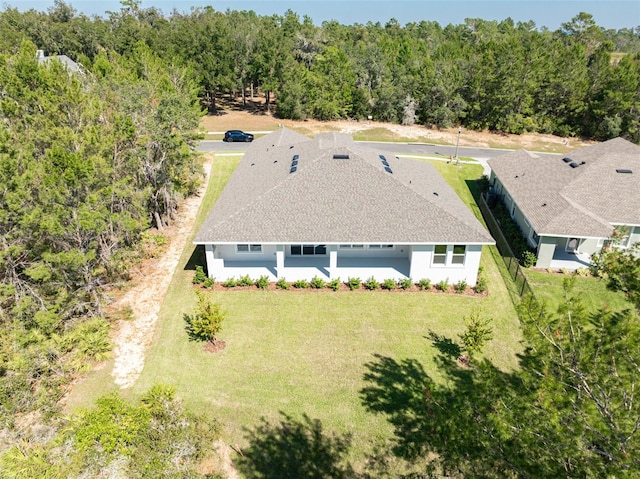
column 334, row 284
column 564, row 271
column 584, row 272
column 282, row 284
column 424, row 284
column 245, row 281
column 461, row 286
column 478, row 332
column 209, row 282
column 529, row 259
column 354, row 283
column 443, row 285
column 318, row 283
column 301, row 284
column 484, row 183
column 199, row 276
column 230, row 283
column 388, row 284
column 405, row 283
column 481, row 284
column 207, row 321
column 262, row 282
column 371, row 283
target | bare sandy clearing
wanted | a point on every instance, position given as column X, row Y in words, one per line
column 133, row 336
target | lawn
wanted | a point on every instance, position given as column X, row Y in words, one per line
column 298, row 352
column 592, row 291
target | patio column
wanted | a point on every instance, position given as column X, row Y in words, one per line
column 333, row 261
column 419, row 261
column 280, row 261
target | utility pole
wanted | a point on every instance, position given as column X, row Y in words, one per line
column 458, row 144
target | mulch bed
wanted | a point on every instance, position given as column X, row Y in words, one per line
column 344, row 288
column 212, row 347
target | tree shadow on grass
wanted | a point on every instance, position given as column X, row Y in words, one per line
column 446, row 346
column 451, row 422
column 294, row 449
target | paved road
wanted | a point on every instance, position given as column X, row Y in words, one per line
column 397, row 148
column 442, row 152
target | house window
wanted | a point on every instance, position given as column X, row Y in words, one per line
column 249, row 248
column 380, row 246
column 351, row 246
column 308, row 250
column 440, row 254
column 458, row 254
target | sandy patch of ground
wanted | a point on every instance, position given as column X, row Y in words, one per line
column 132, row 336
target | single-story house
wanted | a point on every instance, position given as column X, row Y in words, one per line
column 296, row 208
column 568, row 207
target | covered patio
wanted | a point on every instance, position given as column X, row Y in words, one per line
column 304, row 268
column 569, row 260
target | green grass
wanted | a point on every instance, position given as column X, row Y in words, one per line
column 384, row 134
column 592, row 291
column 306, row 351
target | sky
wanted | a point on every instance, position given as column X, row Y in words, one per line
column 610, row 14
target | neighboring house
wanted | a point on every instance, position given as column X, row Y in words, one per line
column 296, row 208
column 67, row 62
column 568, row 207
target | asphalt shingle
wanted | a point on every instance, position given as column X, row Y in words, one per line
column 333, row 199
column 583, row 201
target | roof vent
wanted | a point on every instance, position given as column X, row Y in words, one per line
column 573, row 164
column 340, row 157
column 387, row 169
column 293, row 169
column 624, row 170
column 295, row 157
column 567, row 160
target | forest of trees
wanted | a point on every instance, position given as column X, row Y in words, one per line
column 505, row 76
column 91, row 163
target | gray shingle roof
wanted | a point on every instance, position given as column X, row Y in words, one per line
column 67, row 62
column 584, row 201
column 334, row 200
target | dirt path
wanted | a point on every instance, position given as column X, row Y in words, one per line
column 133, row 336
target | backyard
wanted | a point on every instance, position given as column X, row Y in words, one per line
column 306, row 352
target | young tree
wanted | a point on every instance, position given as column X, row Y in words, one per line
column 621, row 267
column 478, row 332
column 207, row 321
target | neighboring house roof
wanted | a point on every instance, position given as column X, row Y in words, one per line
column 336, row 200
column 583, row 201
column 68, row 63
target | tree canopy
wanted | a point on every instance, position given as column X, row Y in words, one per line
column 499, row 75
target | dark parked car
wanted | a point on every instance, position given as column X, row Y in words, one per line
column 237, row 135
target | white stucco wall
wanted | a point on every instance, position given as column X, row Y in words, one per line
column 422, row 265
column 224, row 262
